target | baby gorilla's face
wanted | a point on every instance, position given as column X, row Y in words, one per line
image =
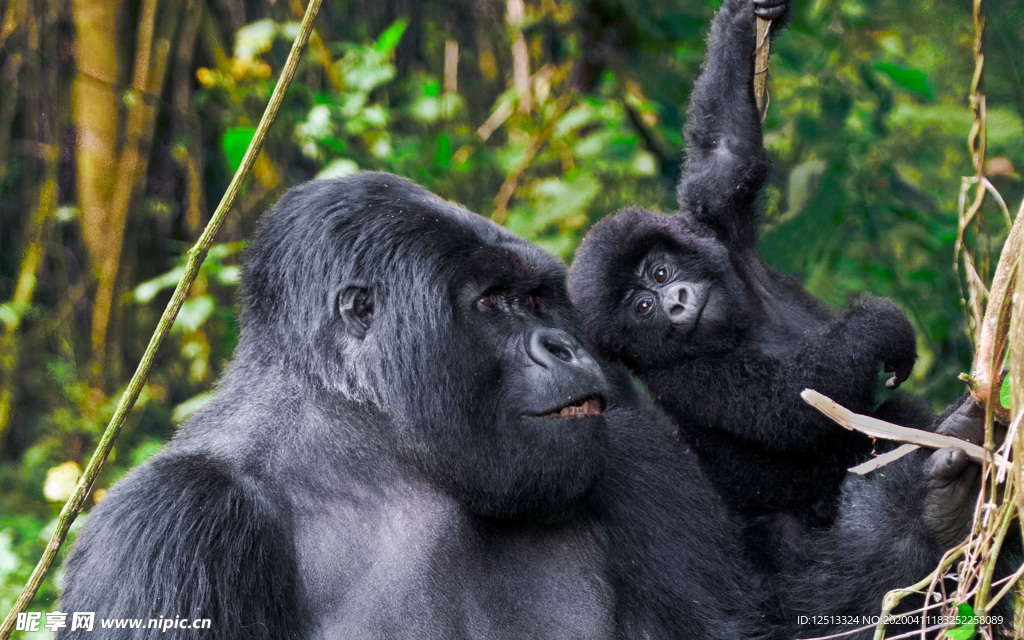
column 670, row 292
column 682, row 302
column 652, row 289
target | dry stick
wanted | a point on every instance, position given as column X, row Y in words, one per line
column 761, row 67
column 880, row 461
column 196, row 255
column 881, row 429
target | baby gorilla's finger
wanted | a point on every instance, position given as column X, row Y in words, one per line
column 899, row 375
column 770, row 9
column 947, row 464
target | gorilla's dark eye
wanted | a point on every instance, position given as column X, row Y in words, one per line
column 489, row 300
column 644, row 305
column 661, row 274
column 533, row 302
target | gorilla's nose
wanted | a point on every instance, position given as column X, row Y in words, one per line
column 677, row 299
column 553, row 347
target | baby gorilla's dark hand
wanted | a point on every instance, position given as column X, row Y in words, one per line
column 952, row 486
column 770, row 9
column 885, row 335
column 952, row 479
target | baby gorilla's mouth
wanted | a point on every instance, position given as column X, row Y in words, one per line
column 589, row 406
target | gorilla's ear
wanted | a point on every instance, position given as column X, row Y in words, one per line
column 355, row 305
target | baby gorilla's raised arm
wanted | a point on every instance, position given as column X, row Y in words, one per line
column 726, row 166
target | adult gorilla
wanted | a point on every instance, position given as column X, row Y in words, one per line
column 412, row 443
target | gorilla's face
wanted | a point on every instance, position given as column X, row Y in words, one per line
column 529, row 433
column 436, row 328
column 666, row 293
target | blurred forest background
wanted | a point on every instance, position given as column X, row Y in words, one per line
column 121, row 122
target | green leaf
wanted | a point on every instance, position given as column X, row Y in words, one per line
column 910, row 79
column 1004, row 126
column 256, row 38
column 369, row 74
column 236, row 141
column 337, row 168
column 150, row 448
column 188, row 407
column 147, row 290
column 388, row 40
column 443, row 156
column 9, row 314
column 643, row 164
column 966, row 629
column 194, row 313
column 1004, row 392
column 426, row 109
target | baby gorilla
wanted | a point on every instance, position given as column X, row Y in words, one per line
column 723, row 341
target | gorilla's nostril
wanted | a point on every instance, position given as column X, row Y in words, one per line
column 683, row 296
column 559, row 351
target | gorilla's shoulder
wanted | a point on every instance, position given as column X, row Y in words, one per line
column 171, row 538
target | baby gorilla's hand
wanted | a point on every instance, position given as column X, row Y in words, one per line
column 952, row 479
column 770, row 9
column 885, row 332
column 952, row 486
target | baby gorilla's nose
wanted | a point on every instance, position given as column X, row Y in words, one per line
column 675, row 299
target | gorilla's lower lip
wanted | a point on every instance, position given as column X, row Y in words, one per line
column 588, row 406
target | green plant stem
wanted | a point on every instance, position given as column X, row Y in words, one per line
column 195, row 258
column 1009, row 510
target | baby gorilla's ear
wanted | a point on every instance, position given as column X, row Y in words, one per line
column 355, row 306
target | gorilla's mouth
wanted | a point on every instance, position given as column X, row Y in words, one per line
column 589, row 406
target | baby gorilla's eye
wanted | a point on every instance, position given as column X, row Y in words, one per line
column 533, row 302
column 644, row 306
column 489, row 300
column 661, row 274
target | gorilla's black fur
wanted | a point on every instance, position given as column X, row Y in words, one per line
column 411, row 443
column 724, row 342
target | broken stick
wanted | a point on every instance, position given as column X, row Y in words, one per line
column 881, row 429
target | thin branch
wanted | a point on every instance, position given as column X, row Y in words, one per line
column 196, row 255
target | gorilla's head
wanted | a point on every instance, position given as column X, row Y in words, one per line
column 653, row 290
column 410, row 314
